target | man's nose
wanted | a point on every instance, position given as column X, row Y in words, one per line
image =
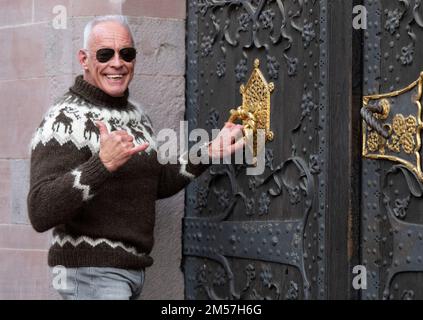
column 116, row 61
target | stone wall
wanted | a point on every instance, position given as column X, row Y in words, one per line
column 38, row 63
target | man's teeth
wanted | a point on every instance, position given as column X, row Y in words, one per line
column 117, row 76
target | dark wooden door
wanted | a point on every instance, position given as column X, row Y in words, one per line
column 284, row 234
column 392, row 202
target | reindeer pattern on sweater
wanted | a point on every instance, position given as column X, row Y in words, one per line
column 73, row 119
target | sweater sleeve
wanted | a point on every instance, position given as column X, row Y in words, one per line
column 61, row 181
column 174, row 177
column 65, row 172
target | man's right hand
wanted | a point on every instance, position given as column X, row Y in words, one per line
column 116, row 147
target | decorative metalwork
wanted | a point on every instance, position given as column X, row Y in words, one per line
column 213, row 119
column 269, row 158
column 292, row 65
column 255, row 109
column 404, row 142
column 314, row 164
column 308, row 34
column 221, row 69
column 401, row 206
column 393, row 21
column 407, row 54
column 407, row 295
column 273, row 67
column 293, row 291
column 307, row 107
column 264, row 203
column 241, row 70
column 406, row 254
column 247, row 239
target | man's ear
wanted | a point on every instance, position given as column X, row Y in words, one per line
column 83, row 57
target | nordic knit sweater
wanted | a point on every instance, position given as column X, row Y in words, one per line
column 100, row 219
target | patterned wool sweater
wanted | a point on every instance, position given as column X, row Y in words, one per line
column 100, row 219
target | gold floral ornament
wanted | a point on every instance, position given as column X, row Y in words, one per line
column 375, row 142
column 255, row 109
column 400, row 114
column 404, row 130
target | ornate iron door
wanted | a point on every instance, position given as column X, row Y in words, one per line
column 392, row 189
column 259, row 237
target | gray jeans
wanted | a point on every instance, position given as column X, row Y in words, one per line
column 94, row 283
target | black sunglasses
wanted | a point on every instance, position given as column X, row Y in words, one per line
column 105, row 54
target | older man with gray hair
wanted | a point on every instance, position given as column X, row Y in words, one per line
column 95, row 175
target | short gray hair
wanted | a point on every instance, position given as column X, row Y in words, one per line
column 90, row 26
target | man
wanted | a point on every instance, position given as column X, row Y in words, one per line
column 95, row 175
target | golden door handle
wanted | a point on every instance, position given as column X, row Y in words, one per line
column 248, row 119
column 255, row 109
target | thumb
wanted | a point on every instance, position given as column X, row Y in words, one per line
column 102, row 128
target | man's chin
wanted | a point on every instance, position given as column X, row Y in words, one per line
column 115, row 92
column 114, row 88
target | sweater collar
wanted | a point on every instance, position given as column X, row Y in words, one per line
column 97, row 96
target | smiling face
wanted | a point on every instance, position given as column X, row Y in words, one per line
column 113, row 76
